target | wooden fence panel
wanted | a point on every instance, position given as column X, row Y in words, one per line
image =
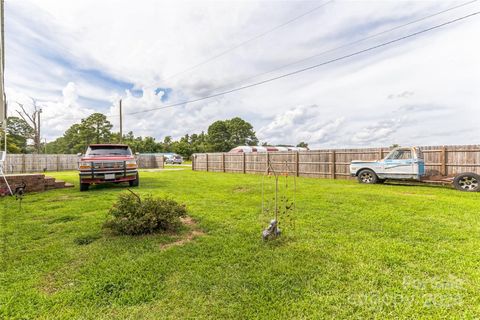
column 215, row 162
column 255, row 162
column 234, row 162
column 283, row 162
column 314, row 164
column 433, row 161
column 31, row 163
column 334, row 163
column 463, row 159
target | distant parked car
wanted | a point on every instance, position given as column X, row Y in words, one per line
column 173, row 159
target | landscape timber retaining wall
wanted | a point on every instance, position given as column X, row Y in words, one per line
column 334, row 163
column 29, row 163
column 34, row 182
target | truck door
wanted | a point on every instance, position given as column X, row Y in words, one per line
column 400, row 162
column 419, row 163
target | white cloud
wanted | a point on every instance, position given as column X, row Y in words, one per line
column 70, row 95
column 81, row 57
column 302, row 123
column 378, row 132
column 56, row 115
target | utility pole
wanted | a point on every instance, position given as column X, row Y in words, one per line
column 39, row 140
column 121, row 121
column 3, row 105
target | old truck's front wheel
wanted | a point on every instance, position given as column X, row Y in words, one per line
column 467, row 182
column 367, row 176
column 136, row 182
column 84, row 186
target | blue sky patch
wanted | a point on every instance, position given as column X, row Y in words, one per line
column 137, row 93
column 166, row 94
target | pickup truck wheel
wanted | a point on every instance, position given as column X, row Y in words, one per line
column 84, row 186
column 467, row 182
column 134, row 183
column 367, row 176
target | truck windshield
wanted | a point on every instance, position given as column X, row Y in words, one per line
column 400, row 154
column 108, row 151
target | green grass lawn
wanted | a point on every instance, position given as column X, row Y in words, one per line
column 357, row 251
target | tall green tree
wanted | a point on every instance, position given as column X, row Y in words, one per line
column 199, row 142
column 167, row 144
column 18, row 133
column 241, row 132
column 93, row 129
column 219, row 136
column 96, row 129
column 183, row 146
column 227, row 134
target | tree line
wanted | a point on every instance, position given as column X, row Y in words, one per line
column 221, row 136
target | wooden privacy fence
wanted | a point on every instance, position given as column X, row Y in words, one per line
column 334, row 163
column 28, row 163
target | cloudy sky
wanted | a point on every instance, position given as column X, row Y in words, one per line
column 79, row 57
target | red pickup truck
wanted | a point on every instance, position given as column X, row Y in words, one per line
column 107, row 163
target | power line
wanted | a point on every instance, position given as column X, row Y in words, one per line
column 345, row 45
column 246, row 41
column 303, row 59
column 310, row 67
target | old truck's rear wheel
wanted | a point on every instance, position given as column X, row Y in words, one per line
column 367, row 176
column 84, row 186
column 469, row 182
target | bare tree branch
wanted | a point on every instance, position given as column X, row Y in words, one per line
column 26, row 113
column 21, row 115
column 32, row 123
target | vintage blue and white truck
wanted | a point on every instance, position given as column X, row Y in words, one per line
column 407, row 163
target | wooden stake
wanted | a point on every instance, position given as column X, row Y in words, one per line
column 333, row 169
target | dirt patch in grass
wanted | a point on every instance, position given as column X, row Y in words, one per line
column 417, row 194
column 65, row 197
column 193, row 233
column 241, row 189
column 61, row 279
column 56, row 281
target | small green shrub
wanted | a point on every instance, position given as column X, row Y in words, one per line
column 135, row 216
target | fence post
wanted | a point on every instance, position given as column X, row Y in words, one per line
column 443, row 161
column 23, row 164
column 193, row 162
column 267, row 161
column 206, row 159
column 381, row 153
column 223, row 162
column 333, row 169
column 244, row 169
column 58, row 162
column 297, row 163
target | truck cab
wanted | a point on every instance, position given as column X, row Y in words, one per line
column 401, row 163
column 104, row 163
